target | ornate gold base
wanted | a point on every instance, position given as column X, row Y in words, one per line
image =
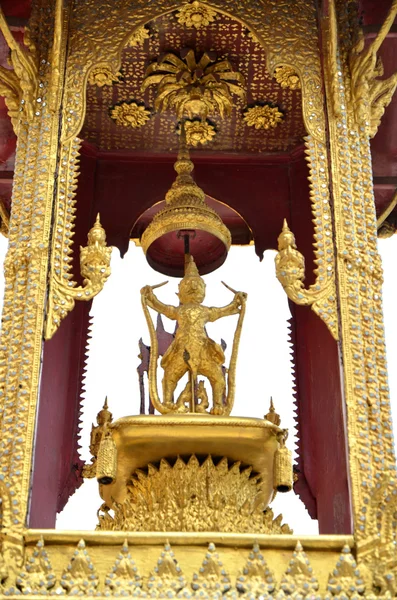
column 193, row 495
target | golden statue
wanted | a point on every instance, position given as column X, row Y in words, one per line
column 192, row 351
column 104, row 418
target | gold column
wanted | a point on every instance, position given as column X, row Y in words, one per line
column 27, row 260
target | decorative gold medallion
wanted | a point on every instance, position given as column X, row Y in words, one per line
column 198, row 132
column 130, row 114
column 287, row 77
column 194, row 88
column 102, row 75
column 263, row 116
column 196, row 15
column 138, row 37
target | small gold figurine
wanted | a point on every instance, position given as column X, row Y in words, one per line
column 104, row 417
column 192, row 351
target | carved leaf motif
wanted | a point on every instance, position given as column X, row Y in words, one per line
column 124, row 578
column 256, row 578
column 298, row 580
column 167, row 578
column 80, row 577
column 345, row 580
column 37, row 576
column 212, row 577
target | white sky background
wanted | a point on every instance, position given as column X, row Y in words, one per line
column 264, row 367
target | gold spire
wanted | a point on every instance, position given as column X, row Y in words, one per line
column 185, row 208
column 272, row 416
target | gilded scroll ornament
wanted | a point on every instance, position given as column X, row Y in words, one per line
column 214, row 497
column 124, row 578
column 102, row 75
column 263, row 116
column 167, row 578
column 345, row 581
column 80, row 577
column 130, row 114
column 37, row 576
column 371, row 95
column 20, row 85
column 196, row 15
column 256, row 580
column 287, row 77
column 290, row 271
column 298, row 580
column 192, row 352
column 194, row 88
column 198, row 132
column 94, row 268
column 138, row 37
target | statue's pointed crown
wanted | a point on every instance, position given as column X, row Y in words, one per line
column 191, row 268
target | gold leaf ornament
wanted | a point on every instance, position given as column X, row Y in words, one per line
column 212, row 576
column 102, row 75
column 345, row 581
column 79, row 577
column 263, row 116
column 287, row 77
column 130, row 114
column 167, row 578
column 298, row 578
column 138, row 37
column 196, row 15
column 256, row 580
column 198, row 132
column 37, row 577
column 124, row 578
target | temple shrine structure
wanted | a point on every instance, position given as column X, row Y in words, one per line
column 189, row 127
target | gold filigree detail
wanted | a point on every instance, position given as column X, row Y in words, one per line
column 345, row 581
column 102, row 75
column 287, row 77
column 167, row 579
column 94, row 268
column 130, row 114
column 290, row 271
column 4, row 217
column 371, row 95
column 196, row 15
column 263, row 116
column 37, row 576
column 212, row 576
column 138, row 37
column 104, row 417
column 199, row 132
column 256, row 580
column 80, row 577
column 124, row 578
column 194, row 88
column 20, row 85
column 298, row 580
column 214, row 497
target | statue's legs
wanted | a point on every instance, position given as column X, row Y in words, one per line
column 214, row 374
column 173, row 373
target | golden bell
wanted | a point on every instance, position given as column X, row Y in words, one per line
column 186, row 210
column 282, row 469
column 106, row 468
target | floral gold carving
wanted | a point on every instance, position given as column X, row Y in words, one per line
column 138, row 37
column 345, row 581
column 290, row 271
column 194, row 88
column 80, row 577
column 102, row 75
column 200, row 497
column 263, row 116
column 124, row 578
column 298, row 580
column 256, row 579
column 94, row 268
column 371, row 95
column 212, row 577
column 167, row 578
column 37, row 577
column 196, row 15
column 287, row 77
column 199, row 132
column 130, row 114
